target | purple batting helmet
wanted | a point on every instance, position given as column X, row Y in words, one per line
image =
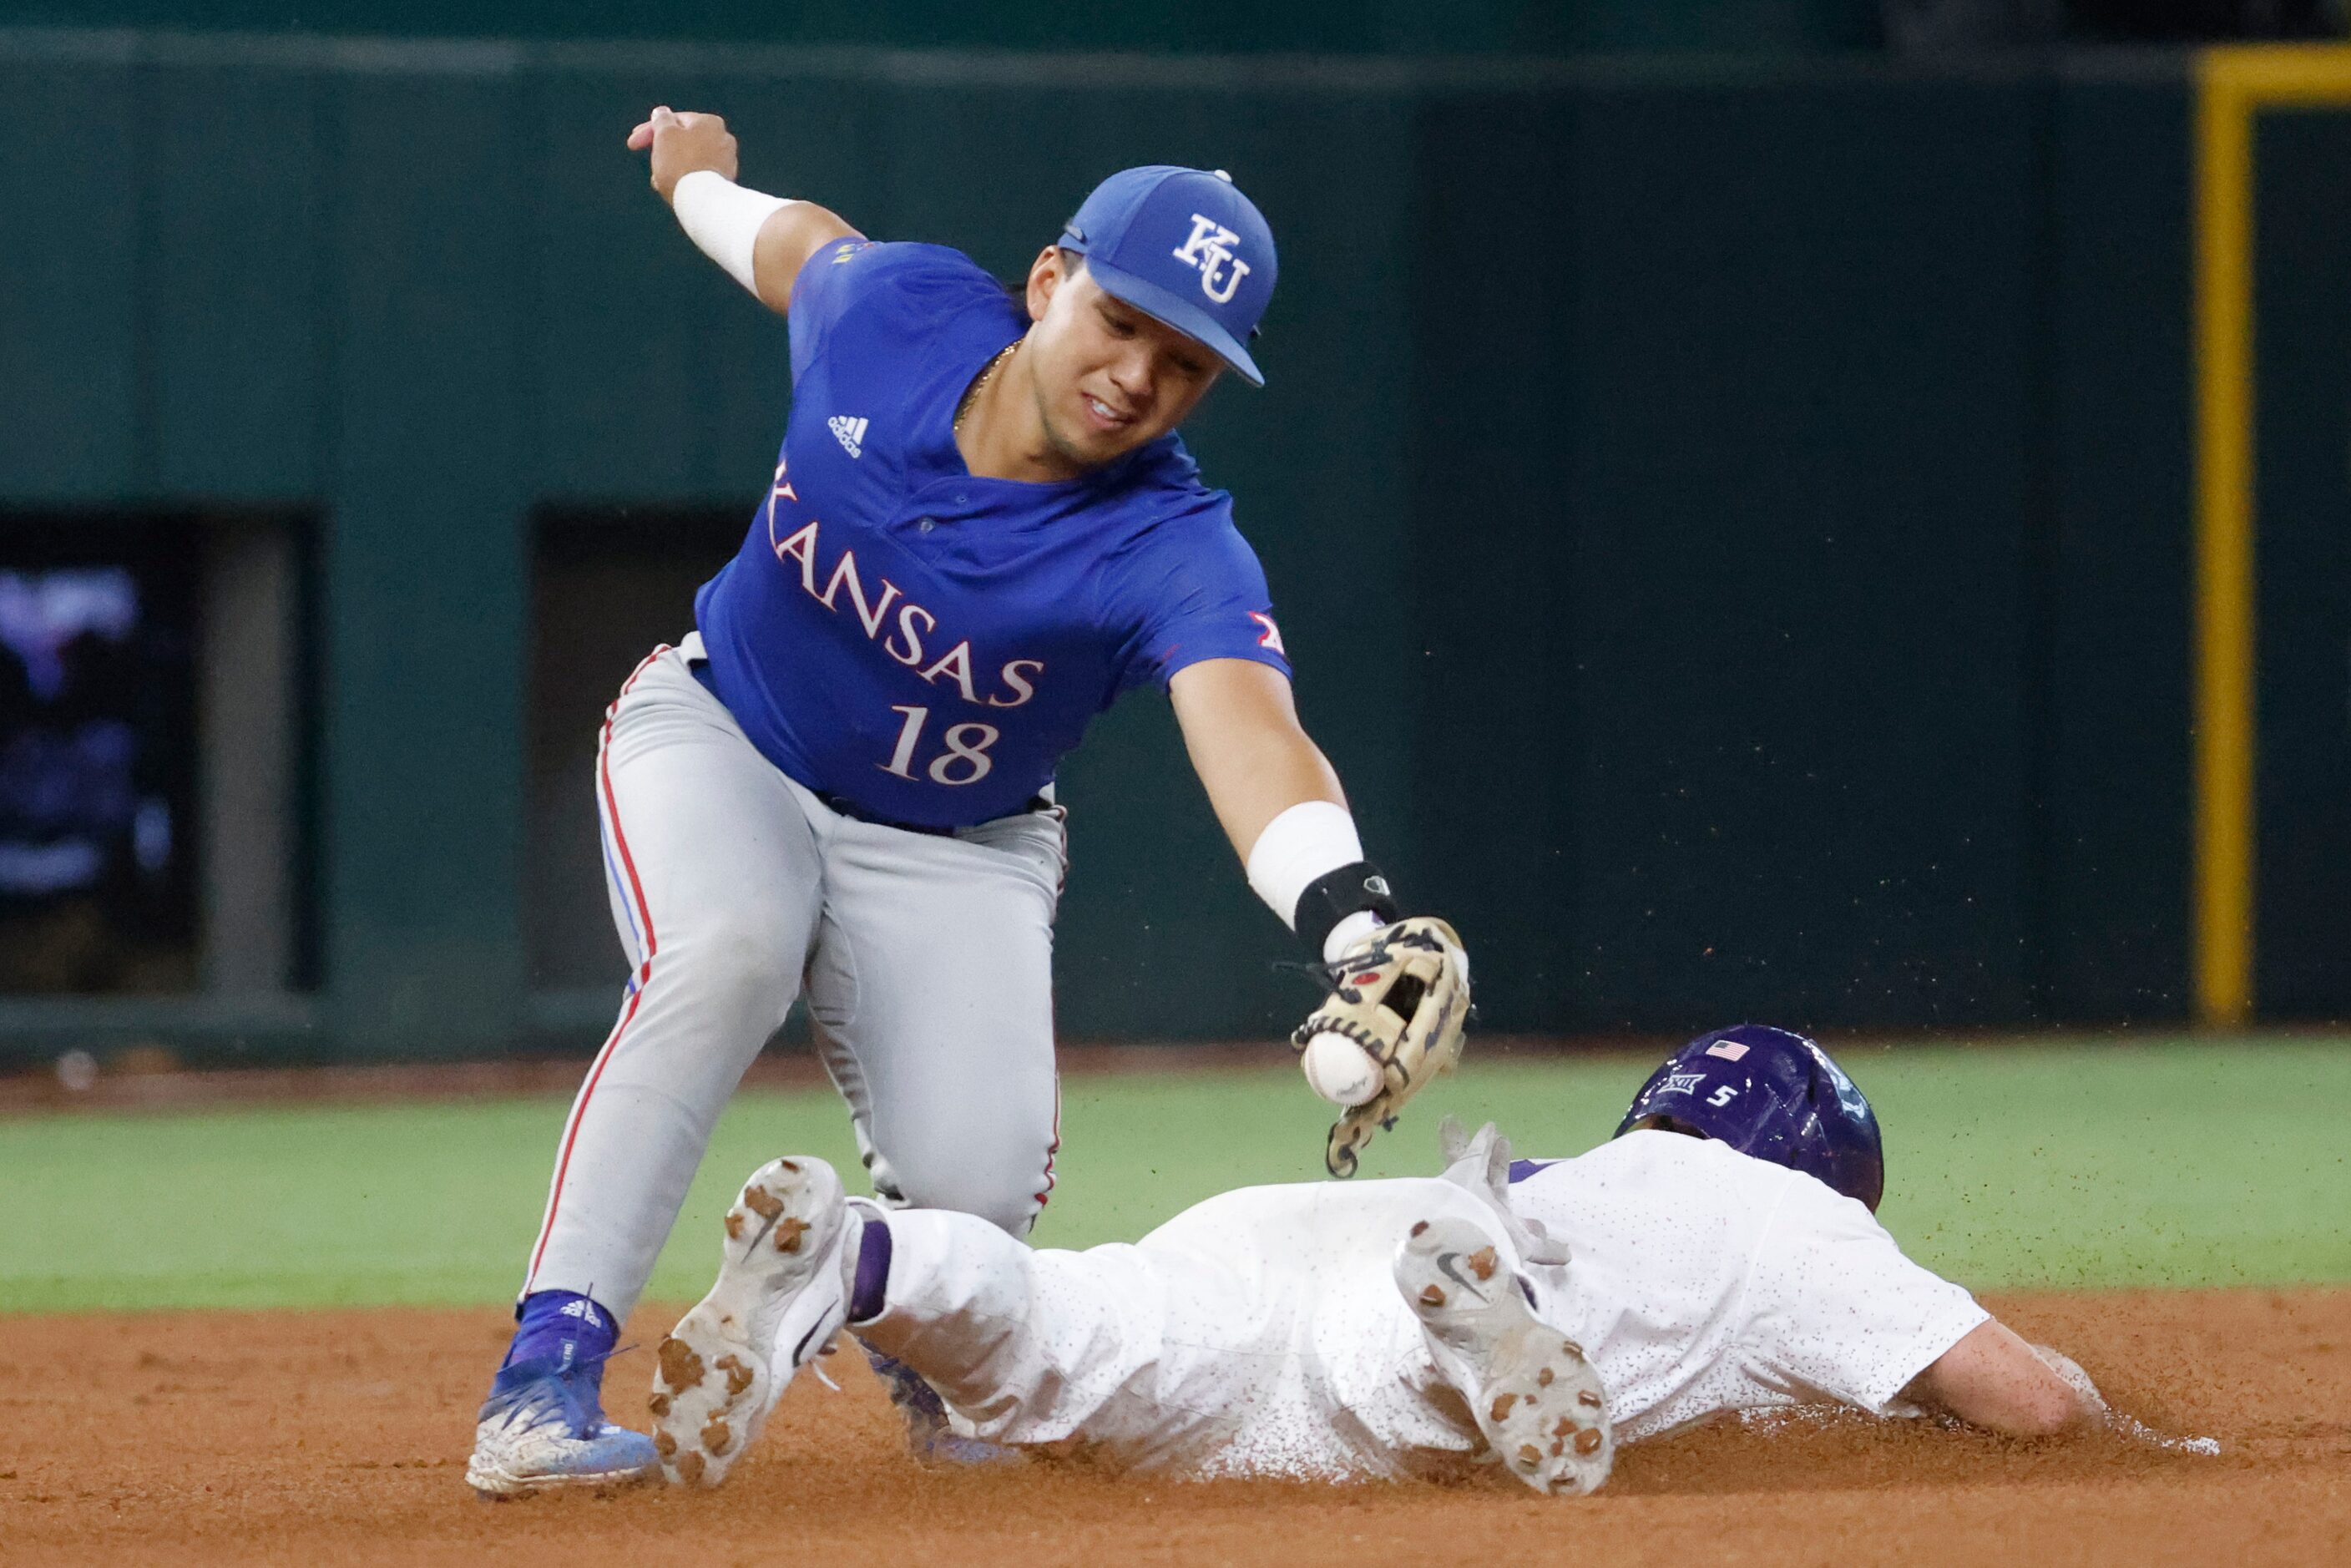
column 1771, row 1095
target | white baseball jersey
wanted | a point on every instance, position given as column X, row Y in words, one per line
column 1703, row 1279
column 1261, row 1333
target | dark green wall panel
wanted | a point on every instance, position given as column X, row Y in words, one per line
column 622, row 409
column 425, row 563
column 1493, row 842
column 2302, row 531
column 1200, row 26
column 69, row 359
column 1729, row 523
column 234, row 289
column 1803, row 432
column 2114, row 794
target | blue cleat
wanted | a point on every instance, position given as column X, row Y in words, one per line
column 543, row 1427
column 544, row 1423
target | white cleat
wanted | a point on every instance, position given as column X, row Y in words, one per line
column 782, row 1294
column 1534, row 1396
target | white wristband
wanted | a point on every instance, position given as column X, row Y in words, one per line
column 1311, row 840
column 724, row 220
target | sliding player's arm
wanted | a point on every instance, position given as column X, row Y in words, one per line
column 1992, row 1379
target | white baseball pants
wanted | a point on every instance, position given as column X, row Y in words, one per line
column 1257, row 1333
column 926, row 960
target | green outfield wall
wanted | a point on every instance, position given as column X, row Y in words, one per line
column 1732, row 520
column 1364, row 27
column 2302, row 345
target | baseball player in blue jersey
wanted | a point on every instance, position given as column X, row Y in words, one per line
column 981, row 530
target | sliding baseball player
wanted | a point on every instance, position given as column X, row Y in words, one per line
column 1532, row 1314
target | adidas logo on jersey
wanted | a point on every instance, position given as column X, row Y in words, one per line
column 851, row 433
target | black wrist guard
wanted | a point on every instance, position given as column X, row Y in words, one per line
column 1334, row 895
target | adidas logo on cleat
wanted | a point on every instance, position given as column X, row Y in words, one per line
column 850, row 433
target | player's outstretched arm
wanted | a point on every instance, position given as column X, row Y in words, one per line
column 762, row 241
column 1254, row 759
column 1992, row 1379
column 1399, row 988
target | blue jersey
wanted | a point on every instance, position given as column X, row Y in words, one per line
column 926, row 644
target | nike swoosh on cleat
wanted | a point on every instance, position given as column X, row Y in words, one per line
column 1444, row 1262
column 800, row 1351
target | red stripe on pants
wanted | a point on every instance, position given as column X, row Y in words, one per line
column 645, row 970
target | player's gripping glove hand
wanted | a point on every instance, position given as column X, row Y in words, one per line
column 1402, row 994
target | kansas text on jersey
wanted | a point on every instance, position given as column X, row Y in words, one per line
column 926, row 644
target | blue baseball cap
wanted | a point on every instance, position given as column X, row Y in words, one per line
column 1185, row 247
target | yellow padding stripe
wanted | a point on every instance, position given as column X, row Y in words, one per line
column 2233, row 85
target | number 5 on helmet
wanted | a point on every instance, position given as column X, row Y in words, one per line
column 1402, row 994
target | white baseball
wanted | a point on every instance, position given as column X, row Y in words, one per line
column 1338, row 1070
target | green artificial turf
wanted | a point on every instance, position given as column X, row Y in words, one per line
column 2147, row 1165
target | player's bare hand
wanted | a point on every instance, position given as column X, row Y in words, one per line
column 681, row 143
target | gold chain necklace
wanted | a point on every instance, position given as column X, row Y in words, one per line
column 963, row 409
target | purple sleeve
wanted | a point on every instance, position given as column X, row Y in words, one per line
column 1192, row 590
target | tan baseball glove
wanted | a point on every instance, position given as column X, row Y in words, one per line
column 1402, row 994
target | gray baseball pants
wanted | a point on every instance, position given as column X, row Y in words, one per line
column 926, row 961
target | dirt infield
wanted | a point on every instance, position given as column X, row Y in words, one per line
column 329, row 1437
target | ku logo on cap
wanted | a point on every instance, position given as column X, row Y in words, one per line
column 1210, row 250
